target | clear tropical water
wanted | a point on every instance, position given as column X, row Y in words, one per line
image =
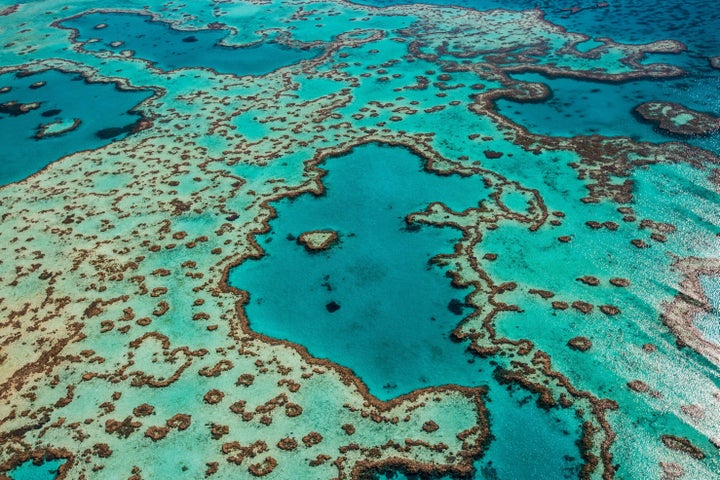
column 168, row 48
column 394, row 322
column 380, row 274
column 29, row 471
column 105, row 114
column 522, row 286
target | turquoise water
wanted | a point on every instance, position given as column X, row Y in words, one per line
column 168, row 48
column 578, row 107
column 392, row 327
column 47, row 470
column 374, row 302
column 394, row 322
column 104, row 111
column 709, row 322
column 692, row 22
column 581, row 107
column 529, row 442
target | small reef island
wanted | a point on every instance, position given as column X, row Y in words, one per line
column 359, row 240
column 318, row 240
column 677, row 119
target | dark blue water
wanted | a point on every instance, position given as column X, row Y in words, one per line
column 168, row 48
column 104, row 111
column 693, row 22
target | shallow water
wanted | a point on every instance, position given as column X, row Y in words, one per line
column 120, row 333
column 47, row 470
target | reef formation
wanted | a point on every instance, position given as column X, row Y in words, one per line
column 678, row 119
column 120, row 332
column 318, row 239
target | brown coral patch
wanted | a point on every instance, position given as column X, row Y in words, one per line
column 581, row 344
column 143, row 410
column 610, row 310
column 156, row 433
column 584, row 307
column 217, row 369
column 557, row 305
column 681, row 444
column 638, row 386
column 102, row 450
column 319, row 460
column 541, row 293
column 589, row 280
column 217, row 431
column 122, row 428
column 237, row 452
column 287, row 443
column 180, row 421
column 663, row 115
column 318, row 240
column 430, row 426
column 213, row 396
column 293, row 409
column 312, row 438
column 245, row 379
column 263, row 468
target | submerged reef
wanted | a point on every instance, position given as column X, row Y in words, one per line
column 121, row 332
column 58, row 127
column 677, row 119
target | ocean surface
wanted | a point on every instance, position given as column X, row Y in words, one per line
column 523, row 273
column 104, row 113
